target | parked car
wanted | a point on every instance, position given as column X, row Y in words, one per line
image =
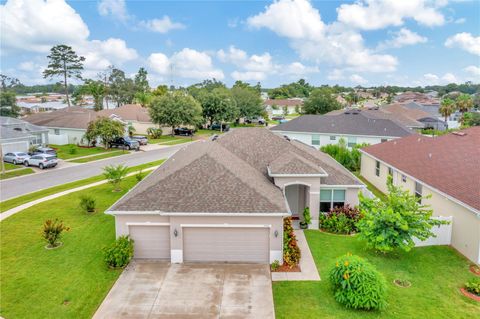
column 255, row 120
column 282, row 121
column 183, row 131
column 278, row 117
column 216, row 127
column 42, row 161
column 125, row 142
column 45, row 150
column 142, row 140
column 15, row 157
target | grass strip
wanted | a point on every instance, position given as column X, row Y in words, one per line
column 98, row 157
column 16, row 173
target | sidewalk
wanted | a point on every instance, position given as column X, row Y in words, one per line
column 307, row 264
column 17, row 209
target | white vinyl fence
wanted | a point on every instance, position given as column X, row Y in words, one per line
column 443, row 234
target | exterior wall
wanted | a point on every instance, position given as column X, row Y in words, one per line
column 291, row 110
column 465, row 224
column 70, row 136
column 325, row 138
column 15, row 145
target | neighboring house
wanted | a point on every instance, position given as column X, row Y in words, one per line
column 134, row 115
column 224, row 200
column 432, row 109
column 354, row 126
column 277, row 107
column 17, row 135
column 446, row 168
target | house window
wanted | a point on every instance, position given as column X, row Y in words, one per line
column 390, row 171
column 331, row 198
column 56, row 131
column 333, row 138
column 383, row 140
column 404, row 178
column 377, row 168
column 418, row 191
column 37, row 140
column 352, row 141
column 315, row 139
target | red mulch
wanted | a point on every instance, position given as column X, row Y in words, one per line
column 469, row 295
column 474, row 269
column 286, row 268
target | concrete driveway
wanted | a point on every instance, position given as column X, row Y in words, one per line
column 148, row 289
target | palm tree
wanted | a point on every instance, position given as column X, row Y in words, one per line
column 446, row 109
column 464, row 103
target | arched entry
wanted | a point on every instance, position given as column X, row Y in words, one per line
column 297, row 196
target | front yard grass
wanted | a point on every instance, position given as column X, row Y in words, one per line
column 65, row 151
column 99, row 157
column 436, row 273
column 67, row 282
column 10, row 166
column 16, row 173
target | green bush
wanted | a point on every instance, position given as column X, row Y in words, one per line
column 306, row 216
column 340, row 220
column 52, row 231
column 275, row 265
column 119, row 253
column 154, row 132
column 348, row 157
column 87, row 203
column 291, row 251
column 473, row 286
column 357, row 284
column 139, row 176
column 72, row 149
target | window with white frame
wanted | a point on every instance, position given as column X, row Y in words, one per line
column 390, row 171
column 315, row 139
column 56, row 131
column 418, row 191
column 404, row 178
column 377, row 168
column 333, row 138
column 352, row 141
column 331, row 198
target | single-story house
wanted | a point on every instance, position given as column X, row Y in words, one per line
column 134, row 115
column 445, row 167
column 354, row 126
column 17, row 135
column 224, row 200
column 277, row 107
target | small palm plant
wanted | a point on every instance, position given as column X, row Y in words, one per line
column 52, row 232
column 447, row 108
column 115, row 174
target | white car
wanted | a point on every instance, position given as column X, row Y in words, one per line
column 42, row 161
column 15, row 157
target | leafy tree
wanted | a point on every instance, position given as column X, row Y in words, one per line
column 105, row 129
column 396, row 221
column 141, row 82
column 446, row 108
column 349, row 158
column 207, row 85
column 464, row 103
column 471, row 119
column 160, row 90
column 115, row 175
column 296, row 89
column 64, row 62
column 321, row 101
column 248, row 100
column 143, row 98
column 122, row 89
column 97, row 90
column 8, row 104
column 8, row 82
column 174, row 109
column 218, row 105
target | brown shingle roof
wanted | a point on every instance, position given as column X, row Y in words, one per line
column 289, row 102
column 291, row 163
column 73, row 117
column 129, row 112
column 449, row 163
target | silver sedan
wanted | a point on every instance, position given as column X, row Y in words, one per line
column 15, row 157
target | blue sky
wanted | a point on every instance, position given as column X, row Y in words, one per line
column 367, row 42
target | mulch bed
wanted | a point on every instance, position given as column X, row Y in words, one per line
column 469, row 294
column 474, row 269
column 286, row 268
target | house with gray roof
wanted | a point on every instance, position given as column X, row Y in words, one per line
column 354, row 126
column 224, row 200
column 17, row 135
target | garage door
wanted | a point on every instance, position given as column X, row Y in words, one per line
column 15, row 147
column 151, row 241
column 226, row 244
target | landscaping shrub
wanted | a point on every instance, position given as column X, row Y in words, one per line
column 87, row 203
column 154, row 132
column 52, row 232
column 275, row 265
column 341, row 220
column 291, row 251
column 348, row 157
column 139, row 176
column 473, row 286
column 119, row 253
column 115, row 174
column 72, row 149
column 357, row 284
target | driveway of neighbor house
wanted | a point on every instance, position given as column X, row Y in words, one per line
column 148, row 289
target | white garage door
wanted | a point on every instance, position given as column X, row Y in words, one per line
column 15, row 147
column 226, row 244
column 151, row 241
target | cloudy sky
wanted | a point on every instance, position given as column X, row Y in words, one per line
column 367, row 42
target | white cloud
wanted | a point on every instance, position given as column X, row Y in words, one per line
column 357, row 79
column 474, row 70
column 301, row 23
column 449, row 78
column 248, row 76
column 431, row 78
column 460, row 21
column 101, row 54
column 115, row 8
column 465, row 41
column 403, row 38
column 434, row 79
column 162, row 25
column 187, row 63
column 298, row 69
column 335, row 75
column 379, row 14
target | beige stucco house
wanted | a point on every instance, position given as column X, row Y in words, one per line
column 447, row 168
column 224, row 200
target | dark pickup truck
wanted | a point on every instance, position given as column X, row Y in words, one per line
column 125, row 142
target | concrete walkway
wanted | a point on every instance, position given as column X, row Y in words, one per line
column 307, row 264
column 17, row 209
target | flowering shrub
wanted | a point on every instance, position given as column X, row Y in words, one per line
column 119, row 253
column 357, row 284
column 52, row 232
column 342, row 220
column 291, row 251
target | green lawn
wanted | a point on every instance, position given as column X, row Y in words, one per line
column 65, row 151
column 370, row 187
column 68, row 282
column 435, row 272
column 14, row 202
column 10, row 166
column 99, row 157
column 20, row 172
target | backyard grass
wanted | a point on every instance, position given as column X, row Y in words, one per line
column 99, row 157
column 69, row 151
column 14, row 202
column 436, row 273
column 370, row 187
column 67, row 282
column 16, row 173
